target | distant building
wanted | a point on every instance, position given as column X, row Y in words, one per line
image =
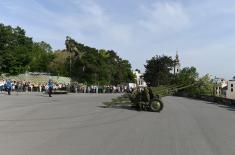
column 231, row 89
column 177, row 67
column 220, row 87
column 139, row 78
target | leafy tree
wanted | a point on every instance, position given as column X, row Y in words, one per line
column 93, row 66
column 206, row 86
column 59, row 65
column 15, row 49
column 187, row 75
column 18, row 52
column 157, row 70
column 41, row 56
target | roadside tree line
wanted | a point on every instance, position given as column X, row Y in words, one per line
column 19, row 53
column 158, row 74
column 84, row 64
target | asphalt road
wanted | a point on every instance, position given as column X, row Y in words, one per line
column 34, row 124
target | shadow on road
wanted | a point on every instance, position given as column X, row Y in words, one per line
column 228, row 107
column 125, row 107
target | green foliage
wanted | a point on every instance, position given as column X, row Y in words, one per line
column 15, row 49
column 93, row 66
column 18, row 53
column 157, row 70
column 187, row 75
column 164, row 83
column 59, row 65
column 161, row 90
column 41, row 56
column 206, row 86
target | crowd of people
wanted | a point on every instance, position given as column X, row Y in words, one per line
column 9, row 85
column 100, row 89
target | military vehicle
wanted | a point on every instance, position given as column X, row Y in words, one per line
column 147, row 99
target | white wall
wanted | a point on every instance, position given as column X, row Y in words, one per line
column 219, row 89
column 139, row 79
column 231, row 90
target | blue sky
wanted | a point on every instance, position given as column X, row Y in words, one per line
column 203, row 31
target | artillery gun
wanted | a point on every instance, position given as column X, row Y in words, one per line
column 147, row 99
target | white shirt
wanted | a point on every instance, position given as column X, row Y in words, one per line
column 2, row 83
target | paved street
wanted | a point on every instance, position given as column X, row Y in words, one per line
column 76, row 124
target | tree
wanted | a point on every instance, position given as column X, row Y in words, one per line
column 157, row 70
column 203, row 85
column 18, row 52
column 59, row 65
column 92, row 66
column 15, row 49
column 41, row 57
column 206, row 86
column 187, row 76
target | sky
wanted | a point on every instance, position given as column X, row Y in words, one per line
column 202, row 31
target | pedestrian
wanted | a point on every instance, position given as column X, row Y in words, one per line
column 18, row 87
column 1, row 85
column 50, row 87
column 9, row 86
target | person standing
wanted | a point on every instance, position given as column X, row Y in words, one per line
column 50, row 87
column 1, row 85
column 9, row 86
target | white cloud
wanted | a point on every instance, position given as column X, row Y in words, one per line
column 196, row 28
column 91, row 21
column 165, row 16
column 95, row 18
column 85, row 21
